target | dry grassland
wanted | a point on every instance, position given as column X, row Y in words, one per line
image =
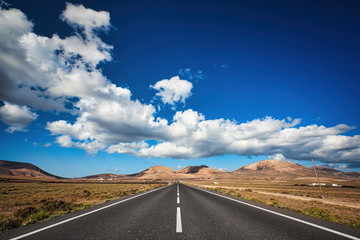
column 340, row 205
column 23, row 203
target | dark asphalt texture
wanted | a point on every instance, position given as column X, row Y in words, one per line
column 203, row 216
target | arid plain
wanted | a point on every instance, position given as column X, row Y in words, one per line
column 29, row 194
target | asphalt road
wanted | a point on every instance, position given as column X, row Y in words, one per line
column 183, row 212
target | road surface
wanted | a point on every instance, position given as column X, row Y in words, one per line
column 179, row 211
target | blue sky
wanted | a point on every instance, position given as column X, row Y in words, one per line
column 126, row 85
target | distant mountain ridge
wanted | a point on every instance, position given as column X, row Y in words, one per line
column 277, row 169
column 12, row 168
column 155, row 172
column 262, row 170
column 104, row 176
column 160, row 172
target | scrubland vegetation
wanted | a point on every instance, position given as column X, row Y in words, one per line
column 340, row 205
column 24, row 203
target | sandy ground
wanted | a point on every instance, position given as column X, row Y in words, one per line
column 323, row 200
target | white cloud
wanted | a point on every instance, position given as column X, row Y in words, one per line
column 44, row 72
column 277, row 156
column 112, row 119
column 65, row 141
column 16, row 117
column 129, row 148
column 173, row 90
column 198, row 138
column 15, row 71
column 86, row 18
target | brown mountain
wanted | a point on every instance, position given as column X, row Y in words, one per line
column 157, row 172
column 202, row 171
column 11, row 168
column 276, row 169
column 263, row 170
column 104, row 176
column 160, row 172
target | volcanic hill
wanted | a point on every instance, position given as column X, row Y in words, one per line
column 281, row 170
column 11, row 168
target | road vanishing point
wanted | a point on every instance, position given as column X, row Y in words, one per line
column 179, row 211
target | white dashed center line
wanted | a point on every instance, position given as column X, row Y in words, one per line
column 178, row 221
column 178, row 213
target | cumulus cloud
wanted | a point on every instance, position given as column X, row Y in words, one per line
column 110, row 121
column 45, row 73
column 129, row 148
column 195, row 137
column 86, row 18
column 16, row 72
column 53, row 73
column 16, row 117
column 173, row 90
column 65, row 141
column 277, row 156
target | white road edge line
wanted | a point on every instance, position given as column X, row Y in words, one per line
column 283, row 215
column 178, row 221
column 178, row 200
column 82, row 215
